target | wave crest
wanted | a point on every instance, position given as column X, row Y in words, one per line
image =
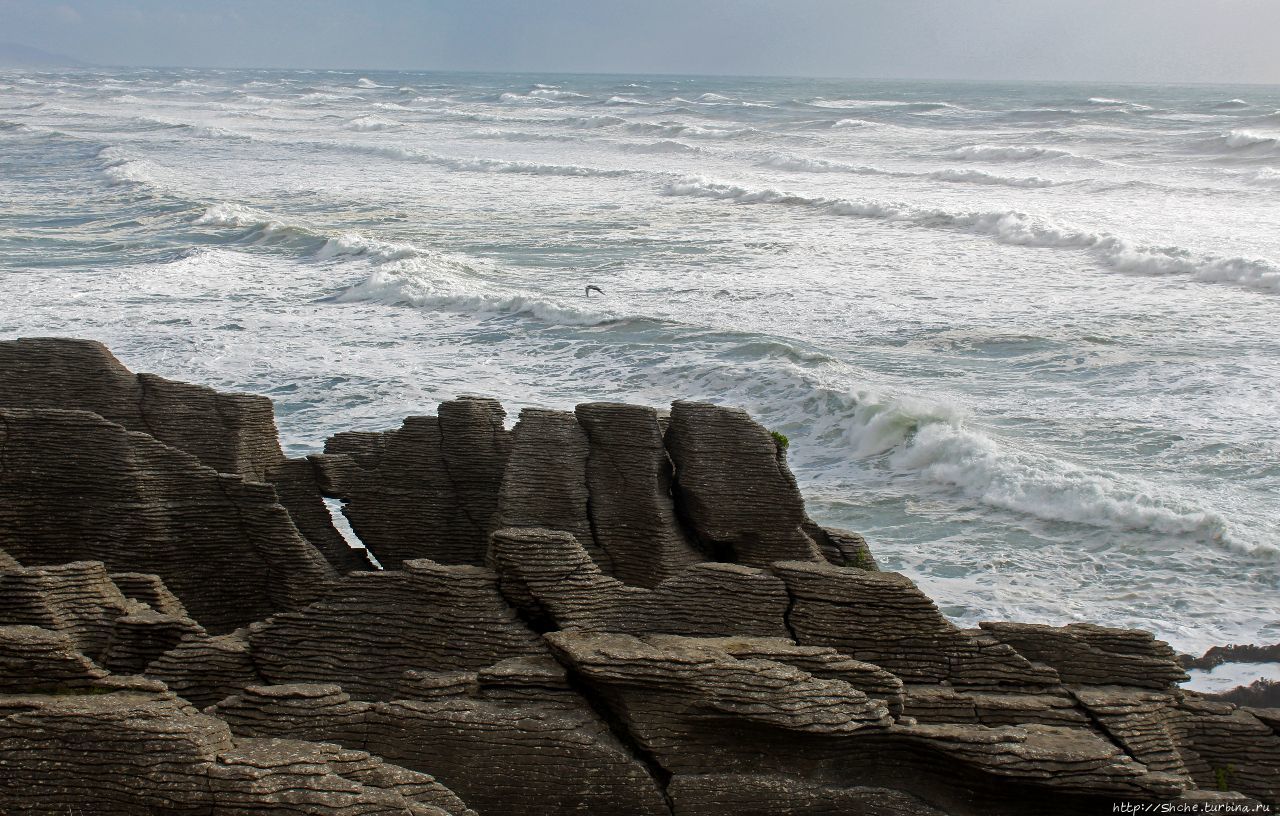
column 1015, row 228
column 990, row 152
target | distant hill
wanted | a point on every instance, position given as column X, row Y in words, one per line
column 13, row 55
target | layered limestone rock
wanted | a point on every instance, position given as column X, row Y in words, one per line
column 297, row 485
column 1087, row 653
column 205, row 669
column 883, row 618
column 605, row 611
column 74, row 486
column 1228, row 747
column 734, row 487
column 513, row 738
column 552, row 581
column 426, row 490
column 368, row 629
column 628, row 474
column 77, row 599
column 230, row 433
column 34, row 660
column 132, row 753
column 545, row 485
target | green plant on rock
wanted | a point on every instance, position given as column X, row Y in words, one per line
column 1222, row 777
column 780, row 439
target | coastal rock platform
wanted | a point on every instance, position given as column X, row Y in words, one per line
column 614, row 610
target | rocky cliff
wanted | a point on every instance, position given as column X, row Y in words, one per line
column 614, row 610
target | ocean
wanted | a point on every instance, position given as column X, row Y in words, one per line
column 1024, row 337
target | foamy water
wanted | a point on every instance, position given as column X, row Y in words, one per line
column 1022, row 336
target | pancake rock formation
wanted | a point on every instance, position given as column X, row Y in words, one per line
column 614, row 610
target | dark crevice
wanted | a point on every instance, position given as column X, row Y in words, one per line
column 598, row 545
column 595, row 533
column 478, row 529
column 1101, row 727
column 537, row 619
column 4, row 445
column 618, row 727
column 786, row 615
column 142, row 406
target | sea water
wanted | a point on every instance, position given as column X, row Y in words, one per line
column 1024, row 337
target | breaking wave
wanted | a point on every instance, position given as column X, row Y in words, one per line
column 888, row 104
column 989, row 152
column 811, row 165
column 1018, row 229
column 403, row 274
column 476, row 164
column 373, row 122
column 941, row 444
column 1249, row 143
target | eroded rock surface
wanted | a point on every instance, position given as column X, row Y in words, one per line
column 604, row 611
column 74, row 486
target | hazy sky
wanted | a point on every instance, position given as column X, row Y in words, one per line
column 1123, row 40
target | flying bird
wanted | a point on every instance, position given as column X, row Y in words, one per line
column 591, row 287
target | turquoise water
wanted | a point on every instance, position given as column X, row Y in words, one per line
column 1022, row 336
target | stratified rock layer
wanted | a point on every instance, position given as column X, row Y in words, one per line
column 230, row 433
column 734, row 486
column 604, row 611
column 426, row 490
column 76, row 487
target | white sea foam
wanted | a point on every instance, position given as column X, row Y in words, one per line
column 1251, row 142
column 1231, row 104
column 991, row 152
column 942, row 444
column 782, row 161
column 365, row 82
column 671, row 129
column 555, row 93
column 1266, row 177
column 475, row 164
column 1018, row 229
column 660, row 146
column 442, row 283
column 122, row 168
column 594, row 121
column 980, row 177
column 522, row 135
column 403, row 274
column 885, row 104
column 373, row 123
